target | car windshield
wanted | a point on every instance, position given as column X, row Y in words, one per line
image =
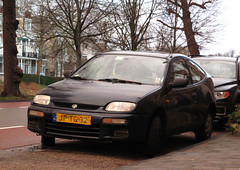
column 219, row 69
column 123, row 69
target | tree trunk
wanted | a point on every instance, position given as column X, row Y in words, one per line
column 188, row 30
column 39, row 63
column 133, row 25
column 174, row 46
column 78, row 51
column 40, row 54
column 12, row 73
column 79, row 56
column 40, row 44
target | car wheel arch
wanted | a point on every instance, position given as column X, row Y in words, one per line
column 212, row 108
column 238, row 98
column 155, row 133
column 163, row 118
column 205, row 131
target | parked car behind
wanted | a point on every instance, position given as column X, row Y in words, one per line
column 225, row 74
column 137, row 97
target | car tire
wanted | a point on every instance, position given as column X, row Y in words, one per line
column 153, row 140
column 221, row 124
column 205, row 131
column 47, row 141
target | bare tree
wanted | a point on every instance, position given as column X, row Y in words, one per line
column 75, row 20
column 24, row 5
column 43, row 36
column 169, row 34
column 42, row 30
column 230, row 53
column 131, row 23
column 104, row 41
column 195, row 17
column 12, row 73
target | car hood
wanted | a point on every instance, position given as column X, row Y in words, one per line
column 221, row 82
column 95, row 92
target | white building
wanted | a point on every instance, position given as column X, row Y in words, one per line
column 53, row 65
column 27, row 51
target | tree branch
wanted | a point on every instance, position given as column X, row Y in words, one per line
column 175, row 3
column 171, row 11
column 171, row 27
column 200, row 5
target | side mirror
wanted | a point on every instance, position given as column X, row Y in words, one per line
column 67, row 73
column 179, row 82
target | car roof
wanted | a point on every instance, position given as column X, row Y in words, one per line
column 143, row 53
column 218, row 58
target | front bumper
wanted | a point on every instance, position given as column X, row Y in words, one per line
column 223, row 109
column 134, row 130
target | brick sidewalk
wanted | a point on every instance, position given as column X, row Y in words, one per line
column 222, row 152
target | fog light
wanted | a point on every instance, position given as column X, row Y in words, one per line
column 34, row 125
column 121, row 133
column 114, row 121
column 36, row 113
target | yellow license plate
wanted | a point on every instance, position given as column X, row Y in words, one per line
column 69, row 118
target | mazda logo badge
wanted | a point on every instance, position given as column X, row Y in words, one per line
column 74, row 106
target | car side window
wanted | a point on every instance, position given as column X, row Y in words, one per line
column 196, row 72
column 178, row 69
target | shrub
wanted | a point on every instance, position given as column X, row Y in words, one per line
column 44, row 80
column 28, row 78
column 234, row 122
column 234, row 117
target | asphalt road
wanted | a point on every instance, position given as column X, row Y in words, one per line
column 13, row 122
column 13, row 114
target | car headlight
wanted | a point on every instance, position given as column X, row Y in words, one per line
column 120, row 107
column 42, row 99
column 221, row 95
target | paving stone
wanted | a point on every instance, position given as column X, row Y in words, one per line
column 215, row 154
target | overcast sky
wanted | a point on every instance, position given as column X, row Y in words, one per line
column 229, row 36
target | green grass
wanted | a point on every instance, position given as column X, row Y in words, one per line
column 28, row 90
column 16, row 98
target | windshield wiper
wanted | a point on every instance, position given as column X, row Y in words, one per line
column 78, row 78
column 114, row 80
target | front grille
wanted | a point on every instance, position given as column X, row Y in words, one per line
column 79, row 106
column 72, row 130
column 221, row 111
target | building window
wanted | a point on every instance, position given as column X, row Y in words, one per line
column 19, row 63
column 27, row 24
column 33, row 67
column 84, row 58
column 24, row 47
column 1, row 21
column 43, row 65
column 51, row 73
column 26, row 66
column 1, row 65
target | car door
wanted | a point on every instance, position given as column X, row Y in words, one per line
column 179, row 101
column 200, row 102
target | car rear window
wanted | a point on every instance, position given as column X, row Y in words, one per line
column 219, row 69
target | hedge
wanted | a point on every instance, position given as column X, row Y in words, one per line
column 44, row 80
